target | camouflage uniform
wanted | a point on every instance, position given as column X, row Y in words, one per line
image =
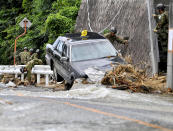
column 113, row 37
column 30, row 65
column 162, row 32
column 34, row 56
column 24, row 57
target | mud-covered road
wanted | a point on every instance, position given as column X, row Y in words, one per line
column 83, row 108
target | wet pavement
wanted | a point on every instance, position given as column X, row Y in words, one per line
column 83, row 108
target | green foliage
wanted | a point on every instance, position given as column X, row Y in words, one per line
column 42, row 6
column 50, row 18
column 57, row 25
column 26, row 5
column 68, row 2
column 69, row 12
column 7, row 4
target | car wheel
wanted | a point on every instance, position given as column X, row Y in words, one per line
column 67, row 85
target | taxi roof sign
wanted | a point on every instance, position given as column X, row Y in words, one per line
column 84, row 33
column 28, row 23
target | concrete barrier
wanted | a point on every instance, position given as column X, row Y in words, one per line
column 42, row 70
column 37, row 69
column 12, row 69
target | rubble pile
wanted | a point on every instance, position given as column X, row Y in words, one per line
column 11, row 82
column 128, row 77
column 5, row 78
column 8, row 79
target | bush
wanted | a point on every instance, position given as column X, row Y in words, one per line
column 50, row 18
column 57, row 24
column 69, row 12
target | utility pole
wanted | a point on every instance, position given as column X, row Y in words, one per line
column 170, row 49
column 151, row 33
column 25, row 23
column 16, row 42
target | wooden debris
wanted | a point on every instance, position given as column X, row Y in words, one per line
column 87, row 81
column 128, row 77
column 128, row 59
column 170, row 90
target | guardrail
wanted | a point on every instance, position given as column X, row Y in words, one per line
column 12, row 69
column 37, row 69
column 42, row 70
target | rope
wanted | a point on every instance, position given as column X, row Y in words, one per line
column 89, row 21
column 112, row 19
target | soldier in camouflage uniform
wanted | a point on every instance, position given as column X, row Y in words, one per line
column 111, row 36
column 30, row 65
column 162, row 32
column 31, row 52
column 24, row 56
column 35, row 55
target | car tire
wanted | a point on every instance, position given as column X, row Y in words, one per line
column 67, row 85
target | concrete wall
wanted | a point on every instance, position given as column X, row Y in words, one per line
column 130, row 17
column 166, row 2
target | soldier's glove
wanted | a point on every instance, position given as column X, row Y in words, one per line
column 22, row 69
column 155, row 30
column 126, row 42
column 126, row 38
column 154, row 15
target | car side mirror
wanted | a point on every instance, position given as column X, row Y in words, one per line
column 64, row 59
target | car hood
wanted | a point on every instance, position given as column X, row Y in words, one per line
column 95, row 69
column 103, row 64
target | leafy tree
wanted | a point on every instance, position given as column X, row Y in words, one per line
column 69, row 12
column 50, row 18
column 56, row 25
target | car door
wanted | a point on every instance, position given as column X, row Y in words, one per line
column 66, row 63
column 49, row 51
column 60, row 66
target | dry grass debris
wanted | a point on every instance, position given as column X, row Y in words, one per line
column 129, row 77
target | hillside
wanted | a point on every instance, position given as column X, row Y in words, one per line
column 50, row 18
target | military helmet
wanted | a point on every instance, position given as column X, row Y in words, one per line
column 37, row 51
column 160, row 6
column 114, row 30
column 31, row 50
column 25, row 48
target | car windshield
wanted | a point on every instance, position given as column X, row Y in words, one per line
column 94, row 50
